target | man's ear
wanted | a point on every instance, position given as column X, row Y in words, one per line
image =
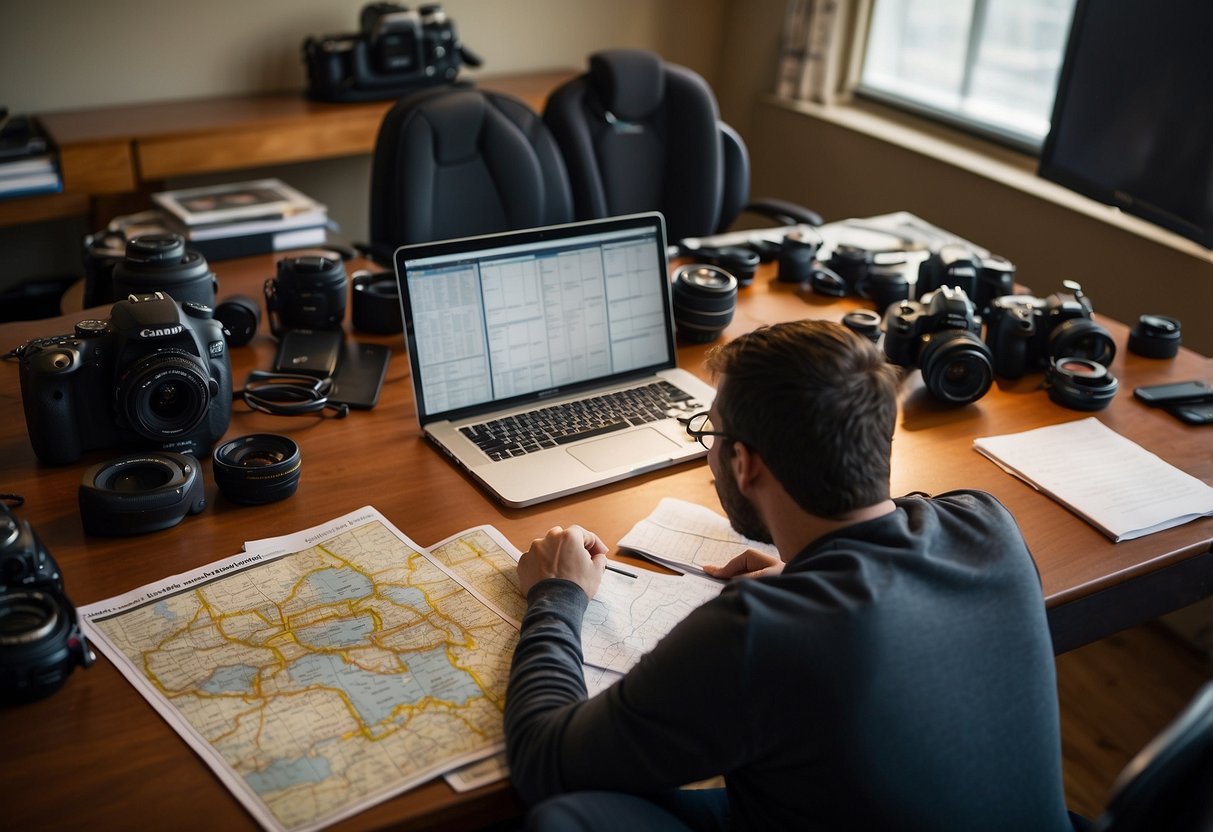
column 747, row 466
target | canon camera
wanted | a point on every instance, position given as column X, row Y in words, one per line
column 940, row 334
column 155, row 374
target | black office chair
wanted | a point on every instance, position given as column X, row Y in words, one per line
column 1169, row 784
column 639, row 134
column 457, row 161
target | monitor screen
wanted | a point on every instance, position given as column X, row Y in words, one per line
column 1133, row 119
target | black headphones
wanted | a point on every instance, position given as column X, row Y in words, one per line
column 288, row 394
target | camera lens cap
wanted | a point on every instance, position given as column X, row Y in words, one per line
column 1155, row 336
column 240, row 316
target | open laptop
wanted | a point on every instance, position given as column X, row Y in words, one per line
column 543, row 360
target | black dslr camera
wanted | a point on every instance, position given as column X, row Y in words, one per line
column 40, row 637
column 983, row 278
column 1026, row 333
column 155, row 374
column 939, row 333
column 395, row 51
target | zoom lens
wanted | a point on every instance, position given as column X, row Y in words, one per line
column 957, row 366
column 164, row 395
column 257, row 469
column 140, row 493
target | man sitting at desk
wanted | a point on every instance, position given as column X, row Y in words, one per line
column 891, row 670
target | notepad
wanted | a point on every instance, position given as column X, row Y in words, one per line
column 1111, row 482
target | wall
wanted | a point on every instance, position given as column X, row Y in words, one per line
column 76, row 54
column 1125, row 266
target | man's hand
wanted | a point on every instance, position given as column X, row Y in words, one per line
column 749, row 564
column 574, row 554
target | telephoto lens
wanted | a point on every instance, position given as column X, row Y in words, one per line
column 140, row 493
column 257, row 469
column 704, row 300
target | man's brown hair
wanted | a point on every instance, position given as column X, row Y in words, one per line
column 819, row 405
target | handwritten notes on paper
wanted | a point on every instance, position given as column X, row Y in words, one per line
column 1110, row 481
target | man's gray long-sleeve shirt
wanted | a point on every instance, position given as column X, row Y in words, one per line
column 897, row 675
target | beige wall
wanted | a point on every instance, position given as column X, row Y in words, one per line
column 79, row 53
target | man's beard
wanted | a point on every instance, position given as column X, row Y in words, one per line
column 740, row 511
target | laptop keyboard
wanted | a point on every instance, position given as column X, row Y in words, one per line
column 559, row 424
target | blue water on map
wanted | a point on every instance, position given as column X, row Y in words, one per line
column 346, row 632
column 342, row 584
column 281, row 774
column 232, row 678
column 406, row 596
column 162, row 609
column 376, row 695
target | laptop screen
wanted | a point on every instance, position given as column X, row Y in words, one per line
column 502, row 319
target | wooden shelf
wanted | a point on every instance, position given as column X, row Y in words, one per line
column 125, row 149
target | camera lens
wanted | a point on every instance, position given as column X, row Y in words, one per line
column 865, row 322
column 704, row 300
column 163, row 263
column 1155, row 336
column 1080, row 383
column 957, row 367
column 40, row 644
column 797, row 254
column 140, row 493
column 376, row 303
column 1082, row 338
column 257, row 469
column 240, row 316
column 164, row 395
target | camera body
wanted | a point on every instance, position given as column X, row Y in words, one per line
column 940, row 334
column 395, row 50
column 155, row 374
column 982, row 278
column 40, row 637
column 1025, row 333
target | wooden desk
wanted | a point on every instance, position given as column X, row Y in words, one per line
column 96, row 753
column 126, row 149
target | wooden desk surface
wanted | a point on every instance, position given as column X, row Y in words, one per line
column 96, row 752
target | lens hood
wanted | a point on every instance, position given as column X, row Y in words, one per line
column 257, row 469
column 140, row 493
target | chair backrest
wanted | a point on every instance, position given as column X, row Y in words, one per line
column 457, row 161
column 639, row 134
column 1169, row 784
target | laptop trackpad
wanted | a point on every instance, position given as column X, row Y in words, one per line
column 624, row 450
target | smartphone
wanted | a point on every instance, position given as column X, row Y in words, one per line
column 360, row 374
column 1176, row 392
column 311, row 352
column 1194, row 413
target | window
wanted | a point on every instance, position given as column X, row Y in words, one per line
column 988, row 65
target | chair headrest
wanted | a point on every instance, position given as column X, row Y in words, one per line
column 630, row 83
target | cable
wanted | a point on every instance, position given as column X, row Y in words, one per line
column 289, row 394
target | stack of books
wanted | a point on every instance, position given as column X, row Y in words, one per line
column 27, row 159
column 244, row 218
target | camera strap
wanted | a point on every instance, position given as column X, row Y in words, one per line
column 290, row 394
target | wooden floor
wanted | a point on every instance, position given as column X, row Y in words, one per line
column 1116, row 695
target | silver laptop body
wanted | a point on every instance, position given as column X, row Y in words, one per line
column 570, row 325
